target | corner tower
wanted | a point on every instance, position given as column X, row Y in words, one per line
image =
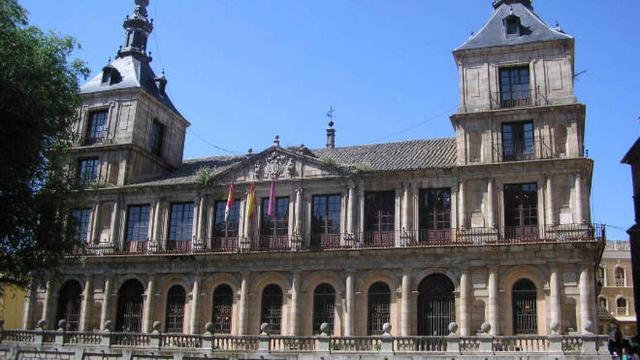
column 129, row 130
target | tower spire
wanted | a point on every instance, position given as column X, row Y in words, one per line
column 137, row 27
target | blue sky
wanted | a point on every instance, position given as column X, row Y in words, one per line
column 244, row 71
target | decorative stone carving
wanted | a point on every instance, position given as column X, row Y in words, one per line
column 453, row 328
column 276, row 164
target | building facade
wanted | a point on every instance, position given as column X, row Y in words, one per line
column 489, row 229
column 615, row 282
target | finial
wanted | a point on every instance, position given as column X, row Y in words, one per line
column 276, row 140
column 250, row 151
column 330, row 114
column 109, row 60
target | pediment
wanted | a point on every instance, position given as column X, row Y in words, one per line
column 277, row 163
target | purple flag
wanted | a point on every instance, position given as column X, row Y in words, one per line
column 271, row 211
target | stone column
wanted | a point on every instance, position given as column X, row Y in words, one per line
column 147, row 320
column 243, row 313
column 465, row 324
column 298, row 230
column 85, row 309
column 195, row 296
column 491, row 216
column 156, row 226
column 95, row 226
column 585, row 299
column 29, row 306
column 550, row 206
column 462, row 223
column 579, row 208
column 405, row 304
column 202, row 223
column 106, row 302
column 492, row 313
column 405, row 207
column 349, row 316
column 556, row 309
column 294, row 308
column 115, row 223
column 47, row 309
column 351, row 210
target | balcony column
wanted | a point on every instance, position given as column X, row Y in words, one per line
column 47, row 309
column 349, row 315
column 579, row 207
column 586, row 299
column 405, row 304
column 298, row 229
column 550, row 206
column 462, row 223
column 115, row 221
column 243, row 313
column 492, row 313
column 351, row 212
column 156, row 227
column 556, row 309
column 29, row 307
column 201, row 230
column 464, row 304
column 491, row 216
column 405, row 207
column 294, row 308
column 195, row 303
column 85, row 309
column 95, row 233
column 147, row 320
column 106, row 300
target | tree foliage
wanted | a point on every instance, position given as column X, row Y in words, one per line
column 39, row 99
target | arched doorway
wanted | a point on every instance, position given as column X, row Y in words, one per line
column 69, row 304
column 174, row 318
column 130, row 300
column 222, row 309
column 523, row 301
column 436, row 305
column 324, row 300
column 272, row 307
column 378, row 304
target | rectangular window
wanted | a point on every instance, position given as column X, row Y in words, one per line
column 325, row 217
column 81, row 224
column 435, row 215
column 155, row 137
column 181, row 222
column 88, row 170
column 518, row 141
column 97, row 129
column 379, row 218
column 514, row 87
column 137, row 222
column 274, row 231
column 225, row 234
column 521, row 211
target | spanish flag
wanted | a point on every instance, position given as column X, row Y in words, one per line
column 251, row 200
column 227, row 209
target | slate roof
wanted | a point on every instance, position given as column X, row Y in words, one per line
column 405, row 155
column 135, row 73
column 493, row 33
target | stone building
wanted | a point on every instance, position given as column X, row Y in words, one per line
column 489, row 227
column 615, row 281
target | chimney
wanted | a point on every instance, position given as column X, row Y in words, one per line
column 331, row 136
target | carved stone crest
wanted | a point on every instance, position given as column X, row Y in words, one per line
column 276, row 164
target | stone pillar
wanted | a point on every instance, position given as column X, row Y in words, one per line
column 95, row 226
column 298, row 230
column 106, row 302
column 550, row 206
column 294, row 308
column 585, row 299
column 491, row 215
column 492, row 313
column 47, row 310
column 556, row 308
column 351, row 210
column 147, row 320
column 156, row 226
column 462, row 223
column 465, row 323
column 579, row 207
column 349, row 316
column 195, row 297
column 202, row 223
column 243, row 313
column 405, row 208
column 85, row 309
column 405, row 304
column 29, row 306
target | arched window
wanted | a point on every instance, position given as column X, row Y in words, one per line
column 601, row 276
column 436, row 305
column 130, row 299
column 602, row 303
column 324, row 299
column 222, row 309
column 272, row 307
column 379, row 301
column 619, row 274
column 69, row 304
column 174, row 318
column 523, row 301
column 621, row 306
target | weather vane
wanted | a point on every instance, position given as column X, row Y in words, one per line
column 330, row 113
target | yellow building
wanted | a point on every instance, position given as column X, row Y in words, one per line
column 11, row 305
column 615, row 299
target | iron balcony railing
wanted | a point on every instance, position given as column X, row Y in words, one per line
column 517, row 99
column 538, row 149
column 475, row 236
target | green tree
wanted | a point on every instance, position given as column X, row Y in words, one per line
column 39, row 99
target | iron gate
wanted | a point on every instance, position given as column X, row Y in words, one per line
column 222, row 309
column 175, row 309
column 378, row 307
column 524, row 307
column 324, row 298
column 272, row 307
column 436, row 305
column 69, row 304
column 129, row 317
